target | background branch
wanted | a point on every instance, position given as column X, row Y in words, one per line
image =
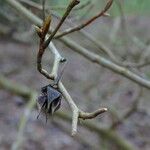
column 72, row 4
column 77, row 113
column 89, row 55
column 81, row 26
column 104, row 133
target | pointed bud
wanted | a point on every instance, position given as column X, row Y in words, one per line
column 38, row 31
column 46, row 25
column 106, row 14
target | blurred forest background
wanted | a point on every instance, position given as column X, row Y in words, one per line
column 126, row 35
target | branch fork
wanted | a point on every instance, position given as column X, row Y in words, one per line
column 86, row 23
column 45, row 42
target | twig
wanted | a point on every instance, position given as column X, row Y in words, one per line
column 68, row 10
column 75, row 110
column 77, row 113
column 57, row 59
column 103, row 48
column 106, row 63
column 81, row 26
column 38, row 6
column 42, row 33
column 83, row 5
column 108, row 52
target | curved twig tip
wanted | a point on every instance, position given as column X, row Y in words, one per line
column 85, row 115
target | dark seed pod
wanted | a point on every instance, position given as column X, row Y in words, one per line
column 50, row 99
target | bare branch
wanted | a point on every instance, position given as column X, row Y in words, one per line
column 39, row 7
column 77, row 113
column 44, row 29
column 92, row 57
column 106, row 63
column 88, row 54
column 68, row 10
column 85, row 115
column 81, row 26
column 42, row 34
column 83, row 5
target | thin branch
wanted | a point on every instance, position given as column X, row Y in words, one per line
column 42, row 34
column 85, row 115
column 81, row 26
column 88, row 54
column 99, row 44
column 106, row 63
column 38, row 6
column 72, row 4
column 83, row 5
column 57, row 59
column 77, row 113
column 106, row 50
